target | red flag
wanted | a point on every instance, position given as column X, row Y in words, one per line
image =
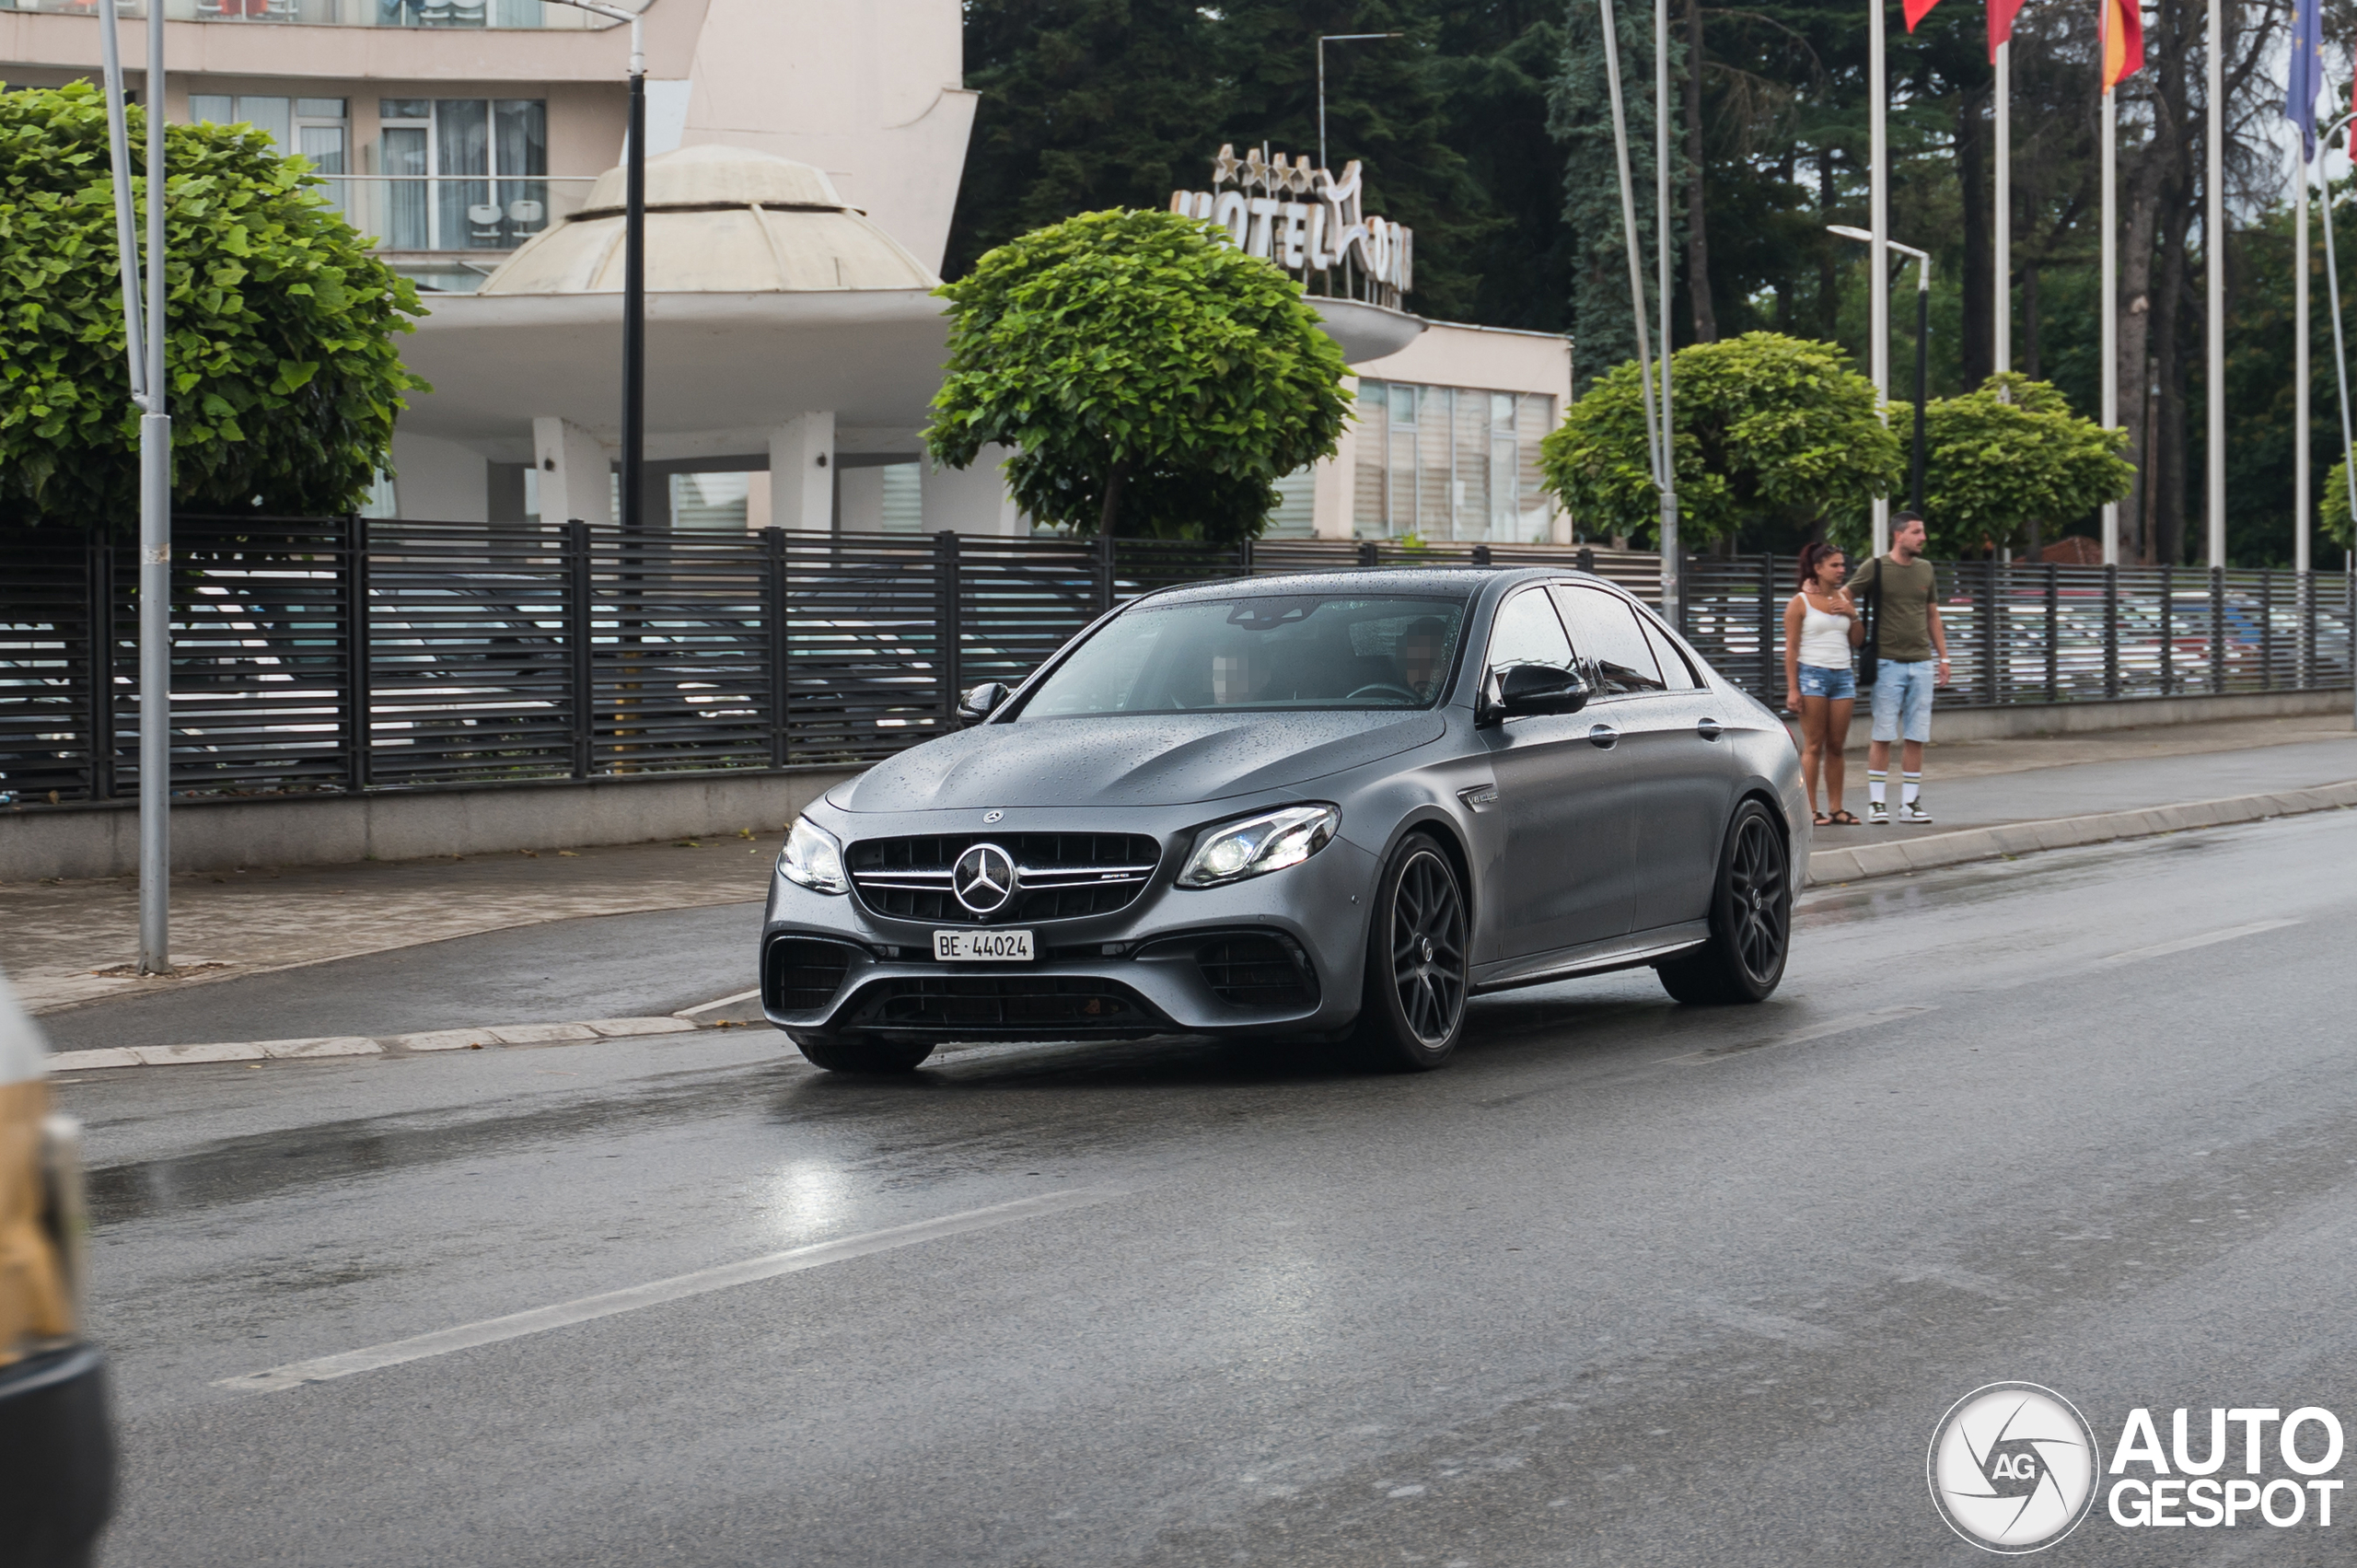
column 1917, row 9
column 2001, row 24
column 2123, row 41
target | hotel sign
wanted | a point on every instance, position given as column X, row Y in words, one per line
column 1304, row 220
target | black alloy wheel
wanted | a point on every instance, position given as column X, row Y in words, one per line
column 1412, row 1013
column 862, row 1056
column 1751, row 918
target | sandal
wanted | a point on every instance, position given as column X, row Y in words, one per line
column 1823, row 821
column 1843, row 820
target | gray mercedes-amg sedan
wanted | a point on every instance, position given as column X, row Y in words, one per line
column 1333, row 805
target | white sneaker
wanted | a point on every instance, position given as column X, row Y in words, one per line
column 1878, row 814
column 1912, row 811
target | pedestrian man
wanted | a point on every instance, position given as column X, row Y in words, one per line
column 1912, row 657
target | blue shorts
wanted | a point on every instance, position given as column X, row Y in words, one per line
column 1903, row 700
column 1841, row 685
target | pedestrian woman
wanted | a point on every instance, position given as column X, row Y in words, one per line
column 1821, row 625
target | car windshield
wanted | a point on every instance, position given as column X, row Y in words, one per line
column 1264, row 651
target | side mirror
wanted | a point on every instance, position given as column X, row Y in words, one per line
column 981, row 702
column 1533, row 689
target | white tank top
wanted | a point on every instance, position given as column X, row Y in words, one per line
column 1825, row 639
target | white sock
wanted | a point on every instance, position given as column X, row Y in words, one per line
column 1878, row 784
column 1910, row 786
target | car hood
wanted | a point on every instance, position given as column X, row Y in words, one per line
column 1132, row 759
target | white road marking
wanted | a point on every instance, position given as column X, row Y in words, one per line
column 715, row 1007
column 2187, row 944
column 540, row 1320
column 1814, row 1031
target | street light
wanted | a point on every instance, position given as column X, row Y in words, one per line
column 1323, row 40
column 1923, row 346
column 634, row 515
column 144, row 343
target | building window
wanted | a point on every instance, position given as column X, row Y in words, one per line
column 465, row 173
column 1450, row 463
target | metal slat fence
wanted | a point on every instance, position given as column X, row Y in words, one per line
column 349, row 654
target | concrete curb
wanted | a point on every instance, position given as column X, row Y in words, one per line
column 1896, row 857
column 360, row 1045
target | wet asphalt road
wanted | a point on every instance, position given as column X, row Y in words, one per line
column 1626, row 1284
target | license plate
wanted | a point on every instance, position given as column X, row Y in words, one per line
column 982, row 946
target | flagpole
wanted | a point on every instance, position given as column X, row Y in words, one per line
column 1879, row 251
column 2109, row 267
column 2213, row 239
column 2300, row 507
column 2001, row 300
column 1671, row 556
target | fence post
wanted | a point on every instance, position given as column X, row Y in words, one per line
column 2267, row 628
column 1105, row 579
column 99, row 580
column 2053, row 632
column 1771, row 658
column 578, row 619
column 1367, row 554
column 2217, row 628
column 359, row 690
column 1244, row 558
column 2112, row 630
column 1584, row 559
column 2168, row 628
column 775, row 617
column 2304, row 612
column 1480, row 555
column 948, row 635
column 1992, row 666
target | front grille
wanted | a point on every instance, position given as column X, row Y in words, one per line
column 1059, row 876
column 1254, row 971
column 1081, row 1003
column 800, row 976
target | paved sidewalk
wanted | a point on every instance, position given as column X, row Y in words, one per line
column 65, row 936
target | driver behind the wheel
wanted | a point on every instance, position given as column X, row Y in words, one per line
column 1239, row 675
column 1422, row 646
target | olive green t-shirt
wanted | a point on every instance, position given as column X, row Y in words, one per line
column 1902, row 622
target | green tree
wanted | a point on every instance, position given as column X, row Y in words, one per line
column 2011, row 455
column 2332, row 516
column 283, row 381
column 1155, row 379
column 1777, row 440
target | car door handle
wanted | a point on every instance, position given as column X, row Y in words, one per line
column 1708, row 729
column 1603, row 737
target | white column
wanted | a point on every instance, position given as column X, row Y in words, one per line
column 1878, row 253
column 2213, row 244
column 2110, row 267
column 2300, row 507
column 2002, row 302
column 577, row 478
column 802, row 473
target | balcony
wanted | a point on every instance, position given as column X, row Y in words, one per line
column 450, row 230
column 472, row 15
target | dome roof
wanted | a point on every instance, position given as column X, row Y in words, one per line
column 719, row 220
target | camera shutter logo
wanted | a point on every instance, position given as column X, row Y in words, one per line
column 2012, row 1468
column 983, row 878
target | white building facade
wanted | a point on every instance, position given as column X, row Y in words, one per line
column 469, row 137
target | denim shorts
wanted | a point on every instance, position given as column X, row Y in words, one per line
column 1903, row 700
column 1841, row 685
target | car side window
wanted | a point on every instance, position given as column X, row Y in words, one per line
column 1527, row 632
column 1676, row 675
column 1608, row 640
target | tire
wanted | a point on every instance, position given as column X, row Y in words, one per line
column 1411, row 1013
column 873, row 1057
column 1751, row 918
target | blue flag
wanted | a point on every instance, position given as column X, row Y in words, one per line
column 2307, row 72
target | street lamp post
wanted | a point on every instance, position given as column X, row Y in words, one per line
column 143, row 344
column 1323, row 40
column 633, row 508
column 1922, row 350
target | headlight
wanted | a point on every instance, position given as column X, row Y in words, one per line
column 1259, row 844
column 814, row 858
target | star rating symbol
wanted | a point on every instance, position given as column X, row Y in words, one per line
column 1224, row 166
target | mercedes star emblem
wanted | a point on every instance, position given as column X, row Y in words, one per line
column 983, row 878
column 989, row 816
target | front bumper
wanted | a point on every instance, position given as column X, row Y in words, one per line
column 1281, row 954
